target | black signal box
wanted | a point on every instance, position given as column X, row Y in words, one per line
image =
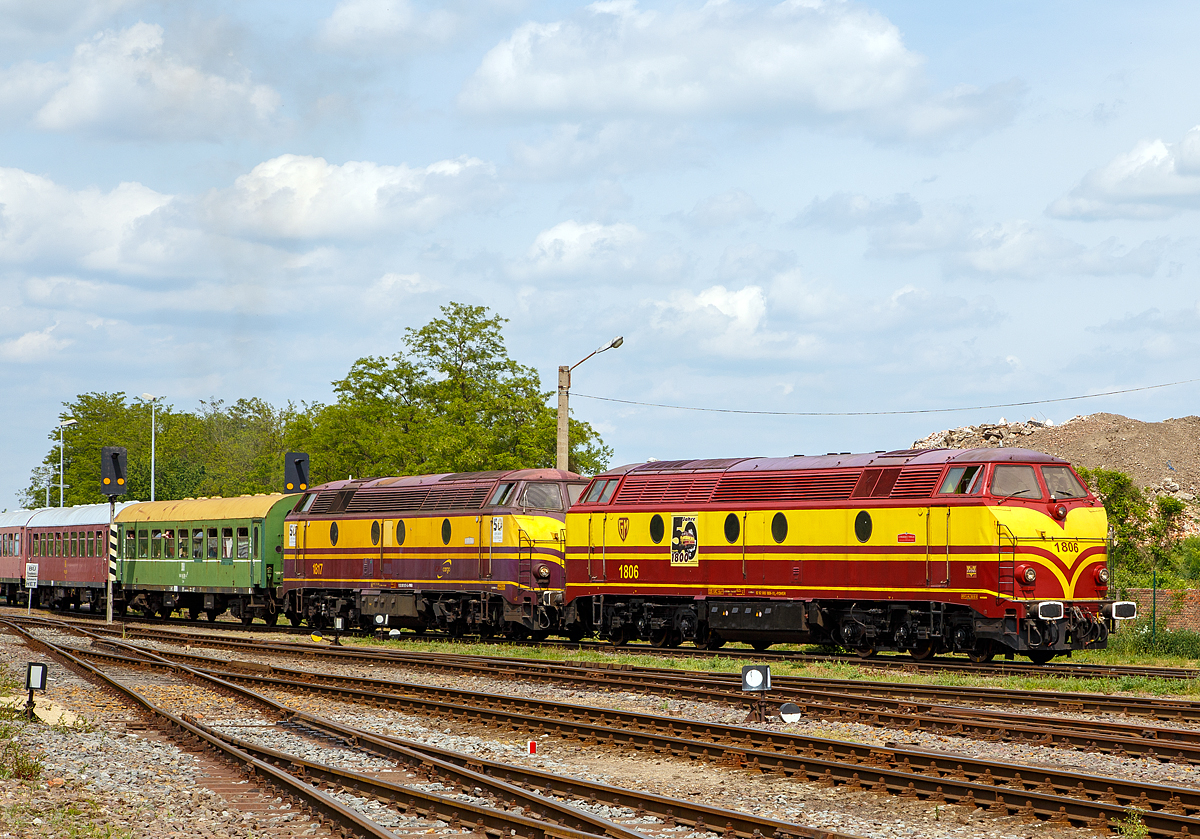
column 113, row 470
column 295, row 472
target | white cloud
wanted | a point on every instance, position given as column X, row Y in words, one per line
column 1016, row 249
column 617, row 146
column 845, row 211
column 572, row 246
column 33, row 346
column 297, row 196
column 724, row 210
column 392, row 23
column 1153, row 180
column 43, row 221
column 124, row 83
column 25, row 24
column 728, row 323
column 792, row 61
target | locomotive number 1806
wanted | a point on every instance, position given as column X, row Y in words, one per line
column 629, row 572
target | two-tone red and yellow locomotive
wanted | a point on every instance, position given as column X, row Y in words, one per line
column 978, row 551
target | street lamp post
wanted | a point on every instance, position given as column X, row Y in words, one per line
column 153, row 400
column 67, row 422
column 564, row 386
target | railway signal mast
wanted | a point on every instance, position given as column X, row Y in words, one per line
column 113, row 463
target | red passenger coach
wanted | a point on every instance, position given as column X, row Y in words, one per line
column 70, row 546
column 980, row 551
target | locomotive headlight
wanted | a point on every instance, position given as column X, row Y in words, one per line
column 543, row 572
column 1102, row 575
column 1029, row 575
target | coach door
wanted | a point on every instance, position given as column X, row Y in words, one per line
column 388, row 541
column 597, row 548
column 937, row 547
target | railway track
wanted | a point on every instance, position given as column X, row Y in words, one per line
column 886, row 662
column 520, row 801
column 1034, row 793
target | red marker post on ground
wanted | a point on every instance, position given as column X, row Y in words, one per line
column 533, row 747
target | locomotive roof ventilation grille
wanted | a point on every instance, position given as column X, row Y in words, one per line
column 764, row 487
column 458, row 495
column 916, row 482
column 681, row 489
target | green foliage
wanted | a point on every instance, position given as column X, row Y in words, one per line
column 1170, row 643
column 451, row 401
column 454, row 401
column 1131, row 825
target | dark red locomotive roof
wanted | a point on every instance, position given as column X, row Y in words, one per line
column 897, row 476
column 902, row 457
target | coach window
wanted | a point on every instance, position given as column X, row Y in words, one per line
column 34, row 545
column 156, row 540
column 243, row 543
column 212, row 543
column 91, row 543
column 199, row 549
column 501, row 494
column 1015, row 482
column 74, row 544
column 542, row 497
column 130, row 543
column 962, row 480
column 256, row 543
column 226, row 543
column 169, row 544
column 184, row 549
column 733, row 528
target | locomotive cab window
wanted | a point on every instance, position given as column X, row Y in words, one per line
column 501, row 495
column 1062, row 483
column 542, row 497
column 307, row 502
column 573, row 492
column 1015, row 482
column 963, row 480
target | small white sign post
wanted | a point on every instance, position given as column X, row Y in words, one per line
column 31, row 582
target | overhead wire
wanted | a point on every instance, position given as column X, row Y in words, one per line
column 885, row 413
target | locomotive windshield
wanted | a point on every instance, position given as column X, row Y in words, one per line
column 542, row 497
column 963, row 480
column 1062, row 483
column 1015, row 481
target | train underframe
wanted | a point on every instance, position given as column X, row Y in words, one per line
column 1039, row 630
column 242, row 604
column 535, row 614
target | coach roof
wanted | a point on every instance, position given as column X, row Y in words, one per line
column 903, row 457
column 85, row 514
column 204, row 509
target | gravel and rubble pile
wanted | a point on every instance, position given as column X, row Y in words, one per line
column 1162, row 457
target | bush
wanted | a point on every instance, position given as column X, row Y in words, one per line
column 1138, row 640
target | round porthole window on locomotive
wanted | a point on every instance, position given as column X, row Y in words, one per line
column 445, row 531
column 657, row 529
column 733, row 528
column 862, row 525
column 399, row 533
column 374, row 533
column 332, row 533
column 779, row 527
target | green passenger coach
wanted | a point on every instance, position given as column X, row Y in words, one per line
column 203, row 555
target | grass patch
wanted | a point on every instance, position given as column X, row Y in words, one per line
column 78, row 819
column 841, row 670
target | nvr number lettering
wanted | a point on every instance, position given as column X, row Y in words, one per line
column 629, row 572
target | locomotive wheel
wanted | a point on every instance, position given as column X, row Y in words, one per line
column 1040, row 658
column 193, row 613
column 760, row 646
column 715, row 641
column 865, row 652
column 247, row 618
column 211, row 614
column 623, row 635
column 660, row 638
column 923, row 651
column 983, row 653
column 295, row 618
column 575, row 632
column 165, row 613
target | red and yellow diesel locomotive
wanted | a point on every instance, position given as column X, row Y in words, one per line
column 978, row 551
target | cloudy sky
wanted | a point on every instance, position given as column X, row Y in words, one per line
column 790, row 207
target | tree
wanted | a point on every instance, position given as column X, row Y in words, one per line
column 1127, row 510
column 452, row 401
